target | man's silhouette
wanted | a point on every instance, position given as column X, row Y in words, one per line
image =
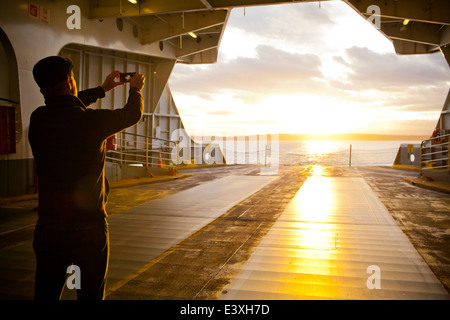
column 68, row 144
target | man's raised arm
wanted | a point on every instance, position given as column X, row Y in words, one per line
column 91, row 96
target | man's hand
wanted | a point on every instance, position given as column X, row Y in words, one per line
column 110, row 83
column 137, row 81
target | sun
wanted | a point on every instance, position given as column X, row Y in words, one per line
column 314, row 114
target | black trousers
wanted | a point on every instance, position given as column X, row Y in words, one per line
column 59, row 247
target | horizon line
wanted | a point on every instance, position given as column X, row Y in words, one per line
column 331, row 136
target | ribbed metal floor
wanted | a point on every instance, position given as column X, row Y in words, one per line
column 140, row 234
column 144, row 232
column 335, row 240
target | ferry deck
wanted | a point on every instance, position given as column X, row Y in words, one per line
column 222, row 232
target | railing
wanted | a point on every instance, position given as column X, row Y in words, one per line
column 135, row 149
column 435, row 154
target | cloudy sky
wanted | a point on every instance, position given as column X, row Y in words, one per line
column 301, row 68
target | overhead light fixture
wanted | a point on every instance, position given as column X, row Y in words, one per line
column 193, row 35
column 405, row 23
column 133, row 1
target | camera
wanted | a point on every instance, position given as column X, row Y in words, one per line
column 126, row 77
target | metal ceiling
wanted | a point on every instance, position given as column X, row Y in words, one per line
column 414, row 26
column 170, row 22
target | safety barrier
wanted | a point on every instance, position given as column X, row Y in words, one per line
column 134, row 149
column 434, row 154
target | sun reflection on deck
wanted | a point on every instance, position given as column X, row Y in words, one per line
column 315, row 238
column 323, row 243
column 311, row 210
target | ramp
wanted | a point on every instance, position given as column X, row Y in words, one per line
column 335, row 240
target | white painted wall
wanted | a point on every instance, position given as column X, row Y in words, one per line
column 33, row 40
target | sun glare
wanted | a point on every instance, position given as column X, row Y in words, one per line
column 313, row 114
column 319, row 147
column 314, row 237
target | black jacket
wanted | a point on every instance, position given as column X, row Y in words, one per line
column 68, row 141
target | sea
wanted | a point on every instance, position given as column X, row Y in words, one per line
column 357, row 153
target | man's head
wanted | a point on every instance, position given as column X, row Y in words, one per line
column 55, row 77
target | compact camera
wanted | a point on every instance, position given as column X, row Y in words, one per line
column 126, row 77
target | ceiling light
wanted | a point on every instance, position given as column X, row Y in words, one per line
column 193, row 35
column 405, row 22
column 133, row 1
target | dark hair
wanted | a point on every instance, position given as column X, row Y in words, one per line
column 50, row 71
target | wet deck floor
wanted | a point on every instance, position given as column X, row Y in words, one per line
column 230, row 233
column 143, row 233
column 335, row 240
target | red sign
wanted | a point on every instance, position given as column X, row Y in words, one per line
column 33, row 11
column 45, row 15
column 38, row 12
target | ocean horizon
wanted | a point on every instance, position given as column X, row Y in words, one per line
column 317, row 152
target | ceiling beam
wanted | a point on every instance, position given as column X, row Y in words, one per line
column 191, row 46
column 408, row 47
column 101, row 9
column 415, row 31
column 159, row 20
column 207, row 4
column 435, row 11
column 168, row 26
column 204, row 57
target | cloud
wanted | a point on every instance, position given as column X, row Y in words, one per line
column 220, row 112
column 277, row 21
column 410, row 83
column 272, row 71
column 280, row 59
column 375, row 70
column 403, row 80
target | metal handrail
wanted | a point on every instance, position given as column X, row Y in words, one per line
column 132, row 151
column 435, row 153
column 10, row 101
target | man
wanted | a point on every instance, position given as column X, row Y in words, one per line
column 68, row 141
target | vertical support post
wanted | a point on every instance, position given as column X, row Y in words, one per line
column 121, row 147
column 235, row 150
column 420, row 164
column 350, row 157
column 265, row 155
column 177, row 160
column 146, row 152
column 257, row 148
column 448, row 156
column 247, row 149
